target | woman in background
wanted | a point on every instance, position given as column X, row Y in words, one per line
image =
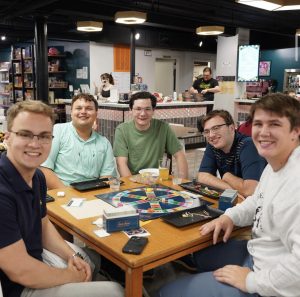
column 107, row 82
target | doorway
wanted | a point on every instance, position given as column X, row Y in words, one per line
column 165, row 76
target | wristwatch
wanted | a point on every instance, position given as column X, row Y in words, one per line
column 78, row 255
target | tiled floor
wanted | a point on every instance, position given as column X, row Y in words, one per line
column 194, row 157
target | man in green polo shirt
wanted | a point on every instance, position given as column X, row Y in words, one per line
column 140, row 143
column 78, row 153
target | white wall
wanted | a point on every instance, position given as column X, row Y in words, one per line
column 101, row 60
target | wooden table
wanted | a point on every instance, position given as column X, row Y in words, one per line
column 166, row 243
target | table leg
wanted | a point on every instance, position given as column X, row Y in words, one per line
column 134, row 282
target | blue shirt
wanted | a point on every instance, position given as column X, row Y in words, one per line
column 74, row 159
column 21, row 211
column 242, row 161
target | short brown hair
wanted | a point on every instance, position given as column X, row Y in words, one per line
column 33, row 106
column 280, row 104
column 142, row 95
column 207, row 69
column 224, row 114
column 86, row 97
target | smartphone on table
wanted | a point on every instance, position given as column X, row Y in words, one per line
column 135, row 245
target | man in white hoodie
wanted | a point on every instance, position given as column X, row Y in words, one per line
column 268, row 264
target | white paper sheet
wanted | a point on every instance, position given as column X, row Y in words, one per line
column 88, row 209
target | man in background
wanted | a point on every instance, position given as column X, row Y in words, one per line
column 24, row 225
column 140, row 143
column 78, row 152
column 231, row 154
column 207, row 86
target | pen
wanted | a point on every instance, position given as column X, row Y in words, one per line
column 70, row 203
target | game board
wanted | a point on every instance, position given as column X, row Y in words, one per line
column 152, row 202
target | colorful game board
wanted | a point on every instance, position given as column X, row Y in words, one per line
column 152, row 202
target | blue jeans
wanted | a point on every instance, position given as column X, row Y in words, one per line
column 204, row 284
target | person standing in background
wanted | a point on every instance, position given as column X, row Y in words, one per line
column 107, row 82
column 207, row 86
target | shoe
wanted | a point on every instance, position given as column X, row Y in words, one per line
column 111, row 271
column 187, row 262
column 149, row 274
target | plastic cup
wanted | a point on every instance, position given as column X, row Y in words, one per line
column 164, row 165
column 114, row 184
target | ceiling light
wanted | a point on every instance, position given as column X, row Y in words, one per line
column 3, row 37
column 210, row 30
column 289, row 7
column 298, row 32
column 137, row 36
column 89, row 26
column 200, row 43
column 272, row 5
column 130, row 17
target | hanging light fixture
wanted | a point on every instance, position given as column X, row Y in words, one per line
column 210, row 30
column 89, row 26
column 130, row 17
column 272, row 5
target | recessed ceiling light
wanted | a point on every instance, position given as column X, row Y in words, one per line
column 130, row 17
column 137, row 36
column 3, row 37
column 89, row 26
column 210, row 30
column 200, row 43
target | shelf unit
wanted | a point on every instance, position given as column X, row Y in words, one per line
column 5, row 84
column 23, row 74
column 291, row 81
column 56, row 71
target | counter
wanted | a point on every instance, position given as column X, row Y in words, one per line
column 110, row 115
column 242, row 109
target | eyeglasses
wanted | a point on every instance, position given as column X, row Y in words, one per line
column 27, row 136
column 214, row 129
column 139, row 109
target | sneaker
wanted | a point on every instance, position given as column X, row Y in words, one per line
column 187, row 262
column 149, row 274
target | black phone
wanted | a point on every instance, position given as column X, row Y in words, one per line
column 49, row 198
column 135, row 245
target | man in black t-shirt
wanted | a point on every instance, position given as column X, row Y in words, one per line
column 206, row 85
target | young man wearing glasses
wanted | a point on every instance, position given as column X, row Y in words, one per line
column 78, row 152
column 268, row 264
column 230, row 153
column 34, row 259
column 140, row 143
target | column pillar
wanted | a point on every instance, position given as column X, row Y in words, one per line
column 41, row 58
column 132, row 55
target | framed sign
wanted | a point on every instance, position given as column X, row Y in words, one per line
column 264, row 68
column 248, row 57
